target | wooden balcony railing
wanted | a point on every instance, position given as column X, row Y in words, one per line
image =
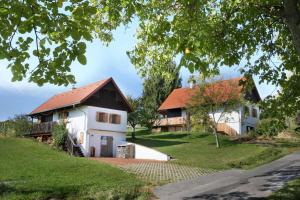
column 171, row 121
column 44, row 127
column 226, row 129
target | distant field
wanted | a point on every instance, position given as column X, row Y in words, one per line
column 200, row 150
column 31, row 170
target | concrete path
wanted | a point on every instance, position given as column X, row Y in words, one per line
column 235, row 184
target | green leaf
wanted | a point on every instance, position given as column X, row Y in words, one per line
column 81, row 59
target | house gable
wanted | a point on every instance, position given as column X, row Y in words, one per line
column 109, row 96
column 80, row 96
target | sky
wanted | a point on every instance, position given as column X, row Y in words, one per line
column 102, row 62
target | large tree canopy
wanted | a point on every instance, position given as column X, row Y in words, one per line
column 54, row 32
column 262, row 37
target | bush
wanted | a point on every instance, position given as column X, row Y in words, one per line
column 59, row 134
column 22, row 125
column 297, row 130
column 18, row 126
column 270, row 127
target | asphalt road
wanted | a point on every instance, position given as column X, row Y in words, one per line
column 235, row 184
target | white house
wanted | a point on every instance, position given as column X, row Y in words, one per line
column 240, row 121
column 96, row 117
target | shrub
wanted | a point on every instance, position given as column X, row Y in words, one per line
column 59, row 134
column 18, row 126
column 297, row 130
column 270, row 127
column 22, row 125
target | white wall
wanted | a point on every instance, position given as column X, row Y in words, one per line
column 83, row 120
column 77, row 123
column 142, row 152
column 232, row 119
column 95, row 140
column 93, row 124
column 249, row 120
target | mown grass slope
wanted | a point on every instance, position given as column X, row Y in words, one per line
column 31, row 170
column 199, row 150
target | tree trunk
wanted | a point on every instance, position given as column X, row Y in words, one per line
column 292, row 19
column 217, row 138
column 133, row 133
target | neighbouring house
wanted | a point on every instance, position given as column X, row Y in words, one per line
column 95, row 116
column 176, row 118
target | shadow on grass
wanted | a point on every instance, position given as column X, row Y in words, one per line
column 9, row 190
column 155, row 143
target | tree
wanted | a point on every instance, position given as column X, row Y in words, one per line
column 214, row 103
column 262, row 36
column 53, row 32
column 134, row 117
column 157, row 86
column 18, row 126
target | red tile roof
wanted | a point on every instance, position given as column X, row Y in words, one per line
column 73, row 97
column 181, row 97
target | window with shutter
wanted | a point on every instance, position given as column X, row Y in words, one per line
column 115, row 119
column 102, row 117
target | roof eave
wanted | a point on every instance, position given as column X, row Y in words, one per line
column 53, row 109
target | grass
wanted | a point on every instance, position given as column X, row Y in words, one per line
column 291, row 191
column 200, row 150
column 32, row 170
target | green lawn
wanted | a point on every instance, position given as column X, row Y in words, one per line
column 31, row 170
column 200, row 150
column 289, row 192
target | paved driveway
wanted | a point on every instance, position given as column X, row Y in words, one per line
column 158, row 172
column 236, row 184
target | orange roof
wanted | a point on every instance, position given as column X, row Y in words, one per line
column 73, row 97
column 181, row 97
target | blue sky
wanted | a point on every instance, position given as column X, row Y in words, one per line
column 103, row 62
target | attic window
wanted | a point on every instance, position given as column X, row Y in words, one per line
column 115, row 119
column 102, row 117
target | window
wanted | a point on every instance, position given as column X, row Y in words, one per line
column 254, row 112
column 63, row 115
column 246, row 111
column 102, row 117
column 114, row 119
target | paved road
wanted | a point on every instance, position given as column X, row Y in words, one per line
column 235, row 184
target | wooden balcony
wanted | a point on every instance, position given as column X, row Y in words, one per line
column 226, row 129
column 43, row 128
column 171, row 121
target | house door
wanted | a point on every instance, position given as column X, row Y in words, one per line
column 106, row 146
